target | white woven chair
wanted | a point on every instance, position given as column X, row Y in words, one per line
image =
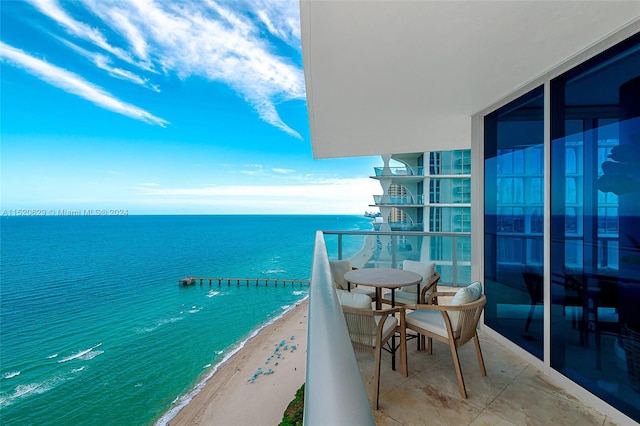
column 454, row 324
column 428, row 285
column 369, row 330
column 341, row 267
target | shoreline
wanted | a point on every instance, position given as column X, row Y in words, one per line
column 258, row 369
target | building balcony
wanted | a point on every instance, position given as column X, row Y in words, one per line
column 398, row 200
column 399, row 171
column 404, row 226
column 514, row 391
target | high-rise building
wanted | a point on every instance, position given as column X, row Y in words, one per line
column 444, row 209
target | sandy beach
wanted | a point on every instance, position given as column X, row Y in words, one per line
column 256, row 384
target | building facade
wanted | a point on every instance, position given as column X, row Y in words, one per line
column 430, row 192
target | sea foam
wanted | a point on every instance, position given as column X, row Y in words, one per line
column 84, row 355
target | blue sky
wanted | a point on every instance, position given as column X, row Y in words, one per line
column 167, row 107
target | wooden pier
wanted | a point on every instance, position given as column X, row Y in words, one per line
column 275, row 282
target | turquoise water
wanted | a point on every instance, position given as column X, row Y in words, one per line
column 94, row 327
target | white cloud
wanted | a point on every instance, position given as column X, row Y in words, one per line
column 324, row 196
column 104, row 62
column 281, row 17
column 75, row 84
column 282, row 171
column 52, row 9
column 209, row 40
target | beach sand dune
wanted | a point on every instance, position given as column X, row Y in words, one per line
column 243, row 391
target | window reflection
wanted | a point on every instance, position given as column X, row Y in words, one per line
column 514, row 221
column 595, row 200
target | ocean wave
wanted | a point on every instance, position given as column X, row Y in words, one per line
column 52, row 356
column 24, row 391
column 194, row 310
column 90, row 355
column 158, row 324
column 11, row 374
column 274, row 271
column 84, row 355
column 77, row 370
column 213, row 293
column 299, row 292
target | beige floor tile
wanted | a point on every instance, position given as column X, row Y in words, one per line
column 524, row 404
column 489, row 419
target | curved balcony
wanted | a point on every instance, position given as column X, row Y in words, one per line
column 404, row 226
column 399, row 171
column 398, row 200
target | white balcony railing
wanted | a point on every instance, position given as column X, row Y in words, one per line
column 334, row 391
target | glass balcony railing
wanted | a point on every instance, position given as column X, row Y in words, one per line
column 399, row 171
column 404, row 226
column 451, row 251
column 383, row 200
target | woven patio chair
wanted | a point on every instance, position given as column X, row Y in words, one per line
column 369, row 330
column 454, row 324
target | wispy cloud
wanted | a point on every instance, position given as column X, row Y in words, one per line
column 281, row 17
column 52, row 9
column 75, row 84
column 282, row 171
column 321, row 196
column 104, row 63
column 205, row 39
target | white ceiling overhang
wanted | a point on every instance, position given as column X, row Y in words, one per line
column 387, row 77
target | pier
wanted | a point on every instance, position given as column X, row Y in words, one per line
column 275, row 282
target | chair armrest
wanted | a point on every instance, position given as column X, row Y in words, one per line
column 433, row 297
column 431, row 285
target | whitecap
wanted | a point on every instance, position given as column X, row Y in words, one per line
column 81, row 354
column 275, row 271
column 299, row 292
column 158, row 324
column 168, row 321
column 11, row 374
column 23, row 391
column 52, row 356
column 207, row 366
column 91, row 355
column 212, row 293
column 77, row 370
column 285, row 307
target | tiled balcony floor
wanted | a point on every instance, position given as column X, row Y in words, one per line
column 513, row 393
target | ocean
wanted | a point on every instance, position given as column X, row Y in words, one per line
column 94, row 328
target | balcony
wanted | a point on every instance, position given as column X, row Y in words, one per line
column 399, row 171
column 513, row 392
column 403, row 226
column 398, row 200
